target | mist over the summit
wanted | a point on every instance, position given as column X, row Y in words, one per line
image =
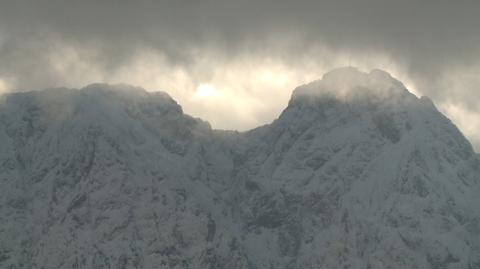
column 243, row 50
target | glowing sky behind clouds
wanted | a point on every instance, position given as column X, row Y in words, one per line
column 235, row 63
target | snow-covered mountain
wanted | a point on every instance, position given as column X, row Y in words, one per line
column 355, row 173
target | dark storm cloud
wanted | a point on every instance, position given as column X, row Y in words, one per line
column 428, row 39
column 426, row 35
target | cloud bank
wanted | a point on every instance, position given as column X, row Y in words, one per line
column 235, row 63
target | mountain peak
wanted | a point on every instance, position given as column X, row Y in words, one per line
column 347, row 83
column 352, row 73
column 121, row 87
column 128, row 92
column 345, row 71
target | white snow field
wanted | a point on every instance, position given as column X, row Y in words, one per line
column 355, row 173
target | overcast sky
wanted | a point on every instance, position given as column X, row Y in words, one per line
column 235, row 63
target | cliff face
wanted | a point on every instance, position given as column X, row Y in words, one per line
column 355, row 173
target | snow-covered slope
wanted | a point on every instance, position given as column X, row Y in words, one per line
column 355, row 173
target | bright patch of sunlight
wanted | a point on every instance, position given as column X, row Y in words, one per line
column 206, row 90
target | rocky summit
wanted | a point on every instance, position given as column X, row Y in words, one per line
column 356, row 172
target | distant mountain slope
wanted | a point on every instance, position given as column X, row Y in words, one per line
column 355, row 173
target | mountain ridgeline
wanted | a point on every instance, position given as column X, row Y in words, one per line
column 355, row 173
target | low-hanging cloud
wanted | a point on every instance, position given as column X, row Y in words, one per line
column 235, row 63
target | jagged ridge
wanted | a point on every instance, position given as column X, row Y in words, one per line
column 356, row 172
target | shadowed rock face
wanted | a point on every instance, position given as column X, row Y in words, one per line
column 355, row 173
